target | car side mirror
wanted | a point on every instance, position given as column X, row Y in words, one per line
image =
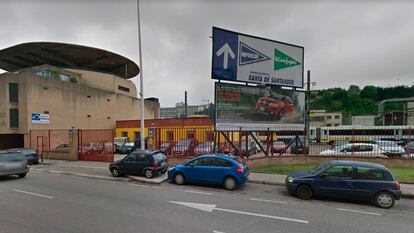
column 323, row 175
column 190, row 164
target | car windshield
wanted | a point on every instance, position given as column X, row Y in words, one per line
column 320, row 168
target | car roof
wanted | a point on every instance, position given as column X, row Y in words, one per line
column 357, row 163
column 223, row 156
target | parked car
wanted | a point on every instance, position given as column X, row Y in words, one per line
column 357, row 149
column 127, row 148
column 391, row 148
column 184, row 147
column 61, row 148
column 409, row 149
column 346, row 179
column 30, row 154
column 119, row 141
column 251, row 148
column 92, row 148
column 278, row 147
column 13, row 163
column 204, row 148
column 277, row 107
column 166, row 147
column 147, row 163
column 221, row 169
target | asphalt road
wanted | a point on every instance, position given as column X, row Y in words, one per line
column 44, row 202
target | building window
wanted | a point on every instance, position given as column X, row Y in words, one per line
column 170, row 135
column 137, row 135
column 45, row 73
column 13, row 92
column 329, row 125
column 14, row 118
column 336, row 116
column 122, row 88
column 124, row 134
column 329, row 117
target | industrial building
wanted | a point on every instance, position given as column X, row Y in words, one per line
column 51, row 86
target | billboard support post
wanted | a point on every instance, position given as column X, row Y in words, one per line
column 307, row 114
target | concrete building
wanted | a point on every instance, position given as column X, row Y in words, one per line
column 410, row 113
column 320, row 118
column 368, row 120
column 179, row 110
column 64, row 86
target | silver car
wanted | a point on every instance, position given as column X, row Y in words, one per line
column 13, row 164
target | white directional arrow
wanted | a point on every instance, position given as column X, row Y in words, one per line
column 209, row 208
column 226, row 50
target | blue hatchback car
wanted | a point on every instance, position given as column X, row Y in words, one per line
column 222, row 169
column 347, row 179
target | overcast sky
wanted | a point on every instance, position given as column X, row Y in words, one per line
column 346, row 42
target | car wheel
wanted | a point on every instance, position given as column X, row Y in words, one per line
column 179, row 178
column 384, row 200
column 115, row 172
column 149, row 173
column 22, row 175
column 304, row 192
column 230, row 183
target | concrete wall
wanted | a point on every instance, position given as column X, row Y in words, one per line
column 289, row 160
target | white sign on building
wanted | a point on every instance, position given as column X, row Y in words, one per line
column 40, row 118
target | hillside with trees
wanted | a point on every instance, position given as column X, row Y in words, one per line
column 357, row 101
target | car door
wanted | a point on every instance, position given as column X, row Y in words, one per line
column 129, row 164
column 197, row 170
column 369, row 180
column 336, row 181
column 143, row 161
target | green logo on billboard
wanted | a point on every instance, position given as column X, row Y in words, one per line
column 283, row 61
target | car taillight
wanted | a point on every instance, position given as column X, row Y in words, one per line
column 26, row 162
column 397, row 186
column 239, row 169
column 155, row 165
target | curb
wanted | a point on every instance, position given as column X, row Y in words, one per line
column 404, row 195
column 145, row 180
column 97, row 177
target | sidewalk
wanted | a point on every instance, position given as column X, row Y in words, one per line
column 276, row 179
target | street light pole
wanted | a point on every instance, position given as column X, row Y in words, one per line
column 141, row 77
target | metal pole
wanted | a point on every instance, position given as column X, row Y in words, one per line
column 185, row 104
column 141, row 77
column 307, row 114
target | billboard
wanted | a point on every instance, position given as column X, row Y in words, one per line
column 245, row 58
column 257, row 108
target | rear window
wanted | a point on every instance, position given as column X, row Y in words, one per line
column 12, row 157
column 159, row 156
column 369, row 173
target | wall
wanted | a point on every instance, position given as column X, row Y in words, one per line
column 288, row 160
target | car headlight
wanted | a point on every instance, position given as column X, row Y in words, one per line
column 290, row 179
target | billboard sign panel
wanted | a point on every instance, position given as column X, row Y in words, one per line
column 40, row 118
column 257, row 108
column 244, row 58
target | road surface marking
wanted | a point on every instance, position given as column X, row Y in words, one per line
column 155, row 187
column 209, row 208
column 198, row 192
column 140, row 185
column 34, row 194
column 360, row 212
column 271, row 201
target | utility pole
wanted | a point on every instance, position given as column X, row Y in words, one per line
column 185, row 104
column 141, row 77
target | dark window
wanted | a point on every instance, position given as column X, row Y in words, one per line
column 367, row 173
column 340, row 171
column 13, row 92
column 364, row 148
column 137, row 135
column 329, row 117
column 142, row 157
column 336, row 116
column 131, row 158
column 126, row 89
column 222, row 163
column 170, row 135
column 124, row 134
column 14, row 118
column 203, row 162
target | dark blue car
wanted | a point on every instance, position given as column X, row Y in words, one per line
column 347, row 179
column 219, row 169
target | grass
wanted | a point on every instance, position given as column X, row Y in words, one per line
column 402, row 174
